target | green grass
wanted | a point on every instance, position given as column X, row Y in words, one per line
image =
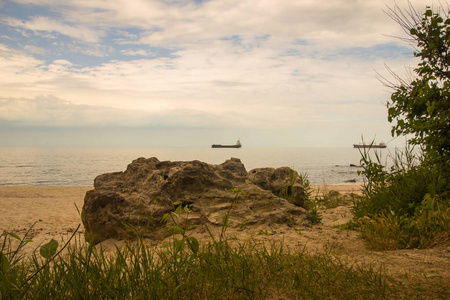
column 216, row 271
column 184, row 269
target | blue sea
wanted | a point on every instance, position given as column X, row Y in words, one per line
column 79, row 166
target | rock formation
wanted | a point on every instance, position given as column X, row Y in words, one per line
column 125, row 204
column 283, row 182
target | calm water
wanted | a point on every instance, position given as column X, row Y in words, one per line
column 79, row 166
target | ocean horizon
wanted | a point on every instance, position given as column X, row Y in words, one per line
column 61, row 166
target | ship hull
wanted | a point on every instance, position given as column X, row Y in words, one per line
column 370, row 146
column 226, row 146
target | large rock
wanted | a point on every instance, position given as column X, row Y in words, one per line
column 125, row 204
column 283, row 182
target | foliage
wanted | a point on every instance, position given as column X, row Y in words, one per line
column 389, row 231
column 407, row 205
column 422, row 107
column 214, row 270
column 16, row 277
column 177, row 228
column 400, row 206
column 185, row 269
column 399, row 188
column 310, row 203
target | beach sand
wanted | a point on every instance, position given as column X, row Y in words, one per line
column 54, row 208
column 56, row 211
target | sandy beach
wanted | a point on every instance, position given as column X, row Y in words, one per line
column 56, row 208
column 56, row 211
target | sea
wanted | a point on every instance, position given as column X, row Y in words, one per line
column 48, row 166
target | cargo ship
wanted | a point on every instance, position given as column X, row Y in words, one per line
column 237, row 145
column 380, row 145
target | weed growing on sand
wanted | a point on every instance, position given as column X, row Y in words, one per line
column 388, row 231
column 311, row 203
column 186, row 269
column 402, row 206
column 17, row 272
column 216, row 270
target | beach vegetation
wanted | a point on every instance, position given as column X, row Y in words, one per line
column 420, row 106
column 221, row 268
column 405, row 202
column 401, row 204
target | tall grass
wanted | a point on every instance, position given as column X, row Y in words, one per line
column 216, row 271
column 185, row 269
column 404, row 205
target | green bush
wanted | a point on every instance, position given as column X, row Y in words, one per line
column 408, row 204
column 401, row 206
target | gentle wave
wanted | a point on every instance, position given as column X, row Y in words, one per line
column 79, row 166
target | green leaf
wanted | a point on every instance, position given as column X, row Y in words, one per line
column 225, row 219
column 178, row 210
column 193, row 244
column 49, row 249
column 429, row 13
column 165, row 218
column 178, row 244
column 391, row 111
column 192, row 227
column 244, row 193
column 176, row 229
column 4, row 263
column 14, row 235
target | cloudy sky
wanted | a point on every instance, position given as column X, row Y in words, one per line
column 174, row 73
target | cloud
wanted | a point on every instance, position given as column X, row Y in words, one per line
column 45, row 24
column 267, row 65
column 333, row 23
column 62, row 62
column 52, row 112
column 222, row 78
column 129, row 52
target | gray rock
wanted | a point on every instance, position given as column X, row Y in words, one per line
column 283, row 182
column 126, row 204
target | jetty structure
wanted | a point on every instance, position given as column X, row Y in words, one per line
column 237, row 145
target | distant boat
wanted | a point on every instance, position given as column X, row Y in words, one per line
column 237, row 145
column 380, row 145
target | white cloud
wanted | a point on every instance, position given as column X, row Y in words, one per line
column 137, row 52
column 49, row 111
column 333, row 23
column 45, row 24
column 253, row 64
column 62, row 62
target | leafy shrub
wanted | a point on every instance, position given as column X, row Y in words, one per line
column 401, row 206
column 388, row 231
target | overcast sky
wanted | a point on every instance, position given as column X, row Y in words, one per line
column 179, row 73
